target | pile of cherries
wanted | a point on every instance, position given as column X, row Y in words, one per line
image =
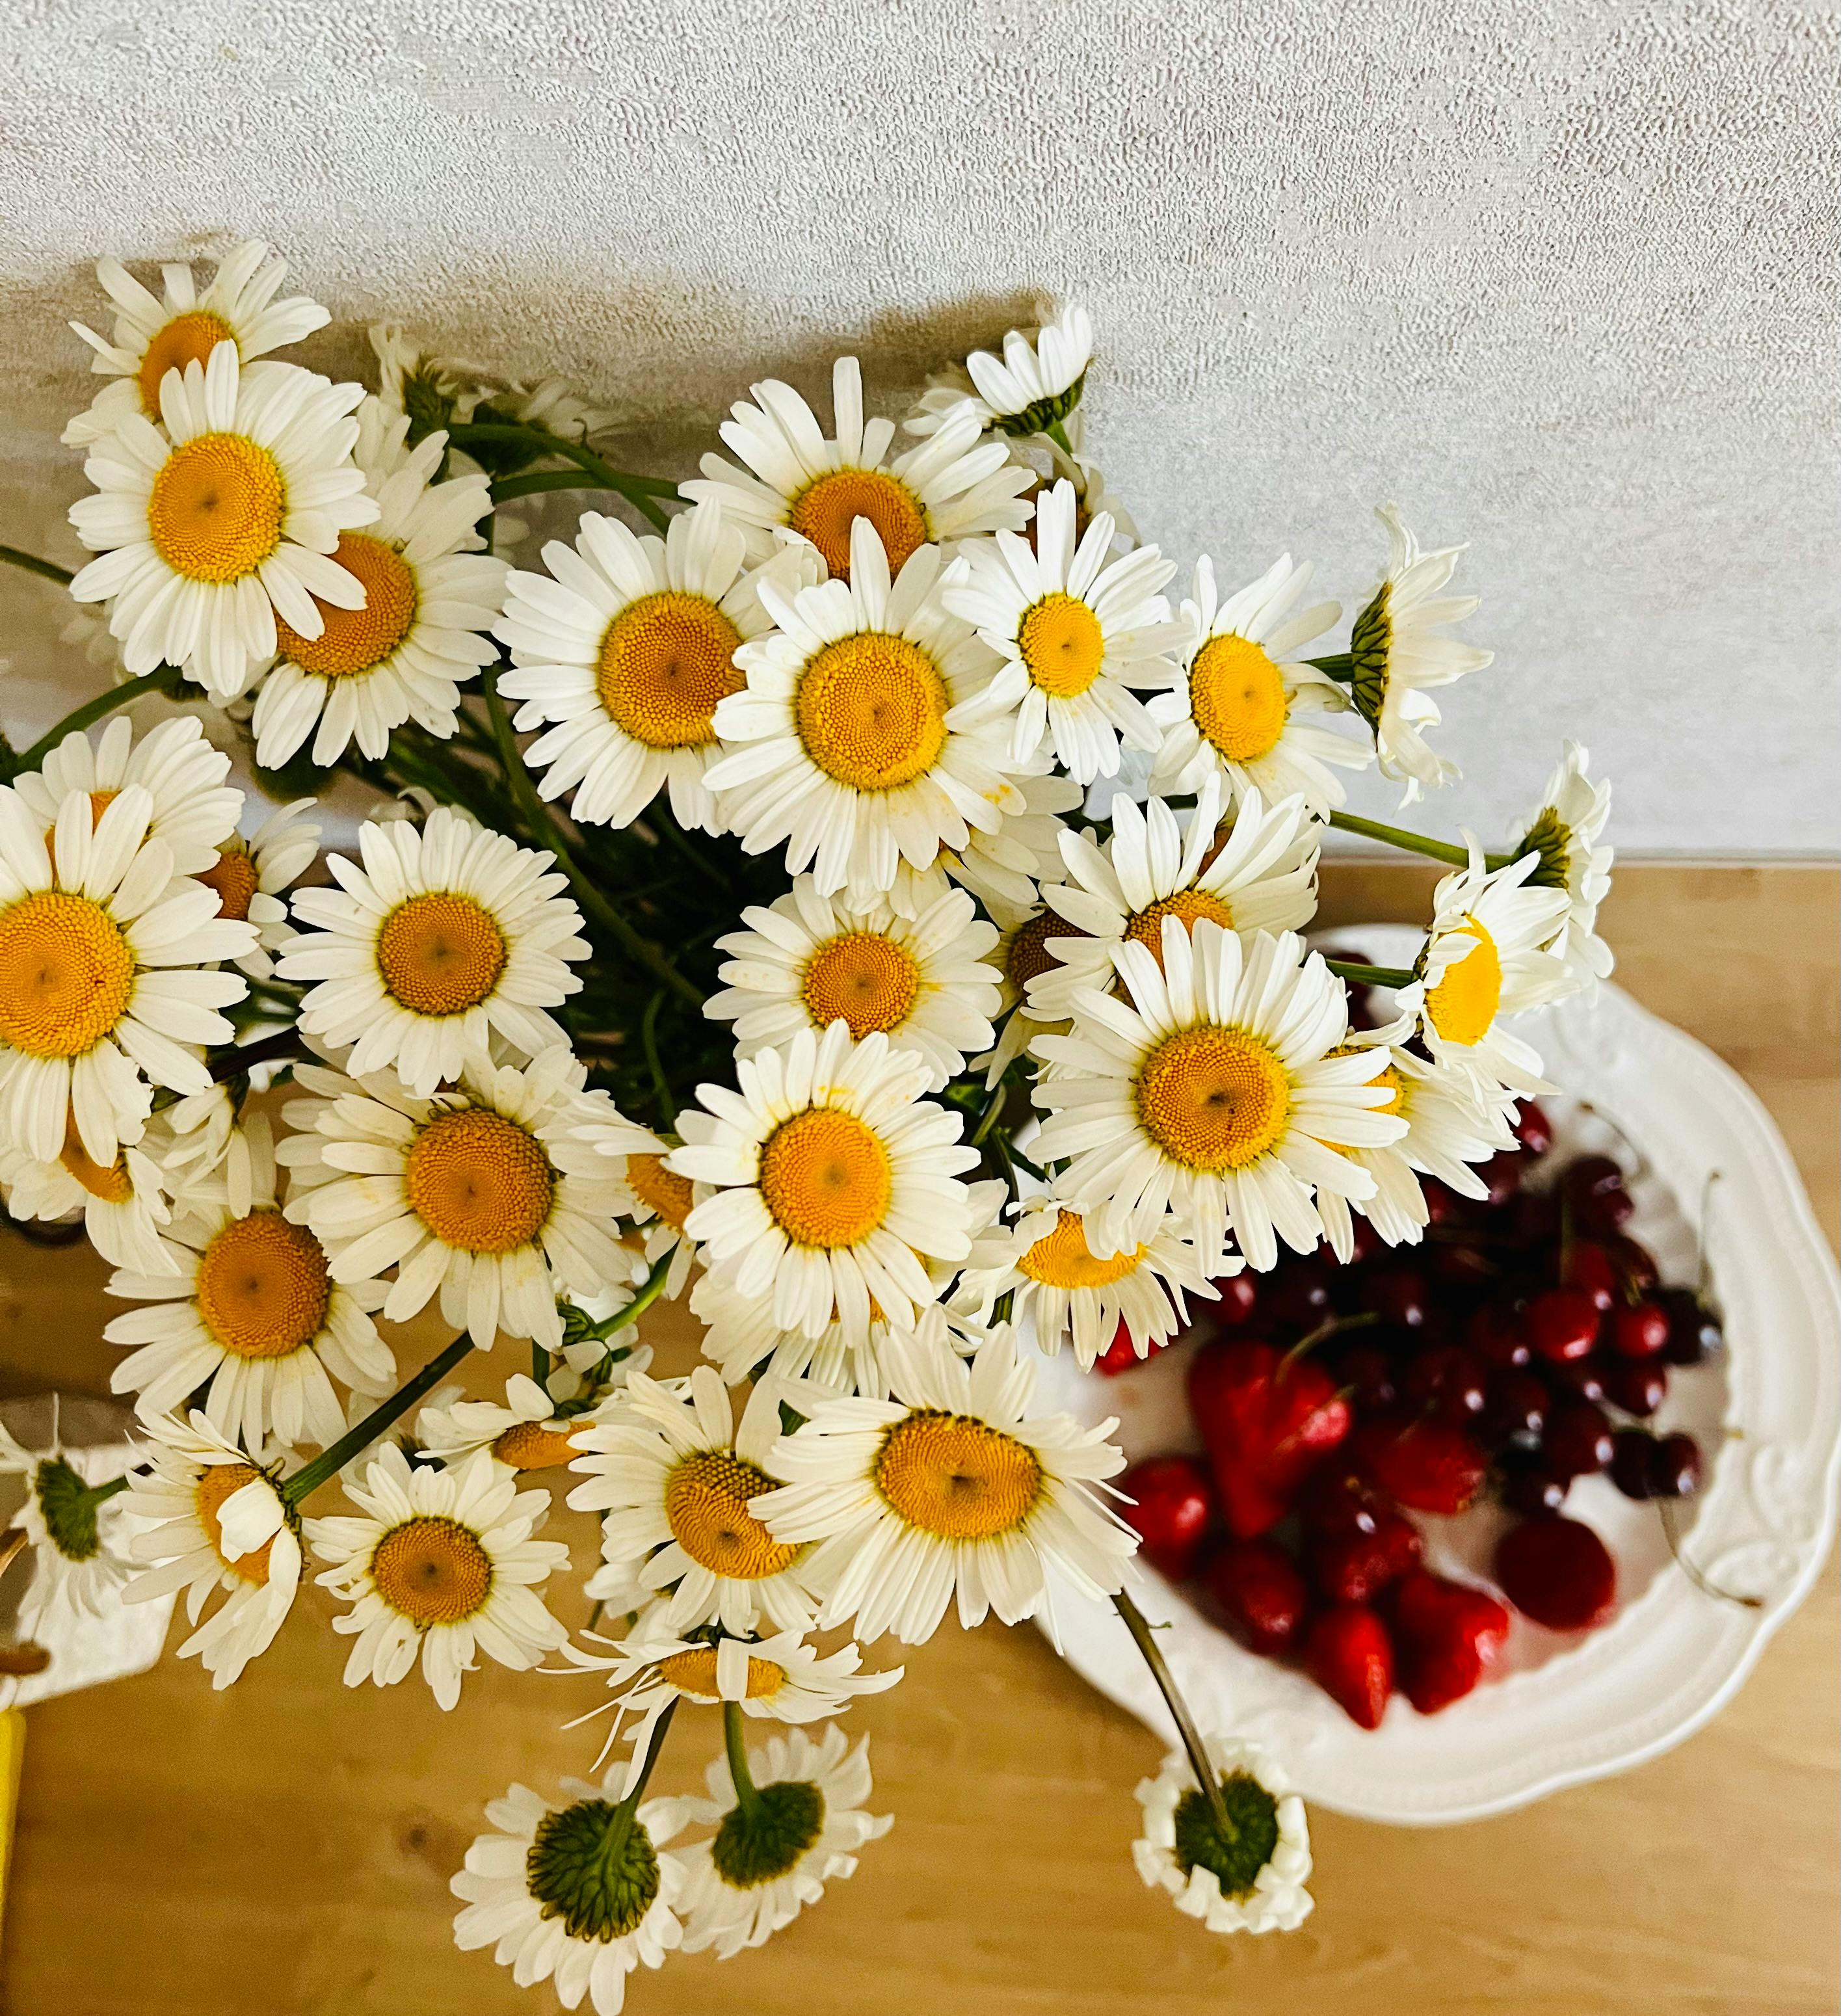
column 1525, row 1345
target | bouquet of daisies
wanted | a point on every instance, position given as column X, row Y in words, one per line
column 847, row 889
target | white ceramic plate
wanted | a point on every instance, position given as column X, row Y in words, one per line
column 1563, row 1711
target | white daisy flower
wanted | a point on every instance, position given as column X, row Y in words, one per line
column 658, row 1202
column 226, row 516
column 201, row 1151
column 156, row 333
column 809, row 960
column 79, row 1545
column 1072, row 462
column 773, row 1851
column 836, row 1182
column 1240, row 707
column 1075, row 633
column 951, row 486
column 1000, row 866
column 99, row 997
column 673, row 1475
column 525, row 1432
column 214, row 1521
column 579, row 1894
column 1023, row 958
column 195, row 812
column 1397, row 654
column 1211, row 1088
column 1252, row 1881
column 1565, row 833
column 483, row 1193
column 628, row 644
column 949, row 1486
column 124, row 1203
column 1034, row 385
column 252, row 876
column 447, row 935
column 1254, row 871
column 442, row 1564
column 430, row 595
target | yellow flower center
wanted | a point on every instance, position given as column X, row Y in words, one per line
column 957, row 1477
column 1027, row 956
column 1062, row 645
column 665, row 661
column 694, row 1672
column 66, row 974
column 1062, row 1259
column 220, row 1482
column 706, row 1502
column 1188, row 906
column 825, row 1178
column 862, row 978
column 215, row 510
column 233, row 876
column 187, row 339
column 479, row 1182
column 669, row 1194
column 358, row 640
column 263, row 1287
column 441, row 954
column 1238, row 698
column 871, row 711
column 1213, row 1098
column 824, row 511
column 1463, row 1005
column 432, row 1571
column 530, row 1445
column 1387, row 1076
column 113, row 1184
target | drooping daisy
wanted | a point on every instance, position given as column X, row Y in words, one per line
column 1212, row 1089
column 430, row 595
column 100, row 996
column 673, row 1477
column 483, row 1193
column 1399, row 654
column 772, row 1854
column 809, row 960
column 1076, row 633
column 449, row 935
column 1036, row 384
column 1001, row 867
column 1240, row 707
column 195, row 812
column 442, row 1564
column 627, row 645
column 155, row 335
column 250, row 877
column 201, row 1151
column 848, row 743
column 657, row 1202
column 1255, row 871
column 836, row 1182
column 580, row 1894
column 1250, row 1880
column 124, row 1203
column 1565, row 833
column 1482, row 963
column 953, row 485
column 79, row 1545
column 525, row 1432
column 225, row 518
column 214, row 1520
column 951, row 1485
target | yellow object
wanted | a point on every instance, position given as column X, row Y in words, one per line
column 13, row 1751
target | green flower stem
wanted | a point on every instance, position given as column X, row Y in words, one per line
column 540, row 1365
column 285, row 1043
column 1206, row 1777
column 1415, row 843
column 735, row 1742
column 100, row 1494
column 1370, row 976
column 161, row 679
column 1058, row 433
column 1338, row 665
column 640, row 491
column 987, row 1119
column 667, row 1104
column 329, row 1462
column 650, row 1289
column 30, row 563
column 544, row 828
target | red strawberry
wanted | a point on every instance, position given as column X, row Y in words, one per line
column 1446, row 1636
column 1174, row 1504
column 1267, row 1419
column 1350, row 1657
column 1428, row 1465
column 1261, row 1594
column 1558, row 1572
column 1355, row 1568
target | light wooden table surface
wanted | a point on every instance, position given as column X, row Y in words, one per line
column 285, row 1847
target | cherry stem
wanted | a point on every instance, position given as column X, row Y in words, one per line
column 1704, row 1278
column 1327, row 1328
column 1664, row 1508
column 1143, row 1636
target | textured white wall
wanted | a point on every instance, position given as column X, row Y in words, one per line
column 1560, row 278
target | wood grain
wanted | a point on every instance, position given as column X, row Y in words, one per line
column 285, row 1845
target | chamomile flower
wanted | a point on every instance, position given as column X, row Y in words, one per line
column 771, row 1855
column 1252, row 1878
column 252, row 876
column 808, row 960
column 430, row 595
column 673, row 1477
column 1399, row 654
column 580, row 1894
column 440, row 1563
column 1482, row 963
column 1033, row 386
column 101, row 995
column 835, row 1182
column 124, row 1203
column 953, row 485
column 627, row 645
column 194, row 811
column 1212, row 1089
column 950, row 1485
column 1255, row 871
column 79, row 1545
column 156, row 333
column 447, row 935
column 211, row 1521
column 223, row 519
column 524, row 1432
column 1000, row 866
column 1565, row 833
column 658, row 1202
column 851, row 742
column 1242, row 708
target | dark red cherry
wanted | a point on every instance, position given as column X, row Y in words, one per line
column 1634, row 1262
column 1533, row 1128
column 1578, row 1441
column 1675, row 1467
column 1562, row 1324
column 1637, row 1388
column 1239, row 1296
column 1639, row 1330
column 1531, row 1488
column 1632, row 1469
column 1590, row 1269
column 1582, row 1376
column 1516, row 1405
column 1695, row 1332
column 1496, row 1334
column 1501, row 1176
column 1399, row 1295
column 1367, row 1371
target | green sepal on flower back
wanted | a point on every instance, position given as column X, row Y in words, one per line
column 1235, row 1857
column 765, row 1838
column 1551, row 838
column 69, row 1508
column 1370, row 641
column 1041, row 416
column 593, row 1866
